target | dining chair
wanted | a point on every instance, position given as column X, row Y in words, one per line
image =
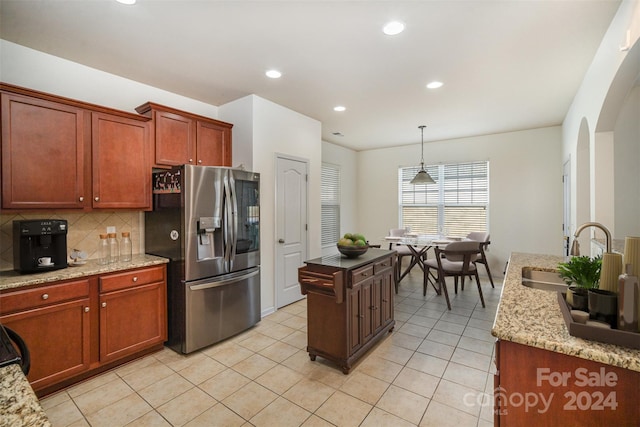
column 401, row 250
column 481, row 236
column 457, row 262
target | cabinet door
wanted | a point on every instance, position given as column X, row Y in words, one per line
column 175, row 139
column 386, row 297
column 57, row 337
column 355, row 318
column 121, row 167
column 43, row 153
column 213, row 144
column 131, row 320
column 370, row 309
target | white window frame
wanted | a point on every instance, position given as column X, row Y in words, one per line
column 330, row 204
column 463, row 187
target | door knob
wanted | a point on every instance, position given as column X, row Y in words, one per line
column 280, row 240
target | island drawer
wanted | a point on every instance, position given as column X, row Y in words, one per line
column 381, row 266
column 361, row 274
column 324, row 283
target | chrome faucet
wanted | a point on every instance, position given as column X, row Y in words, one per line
column 575, row 248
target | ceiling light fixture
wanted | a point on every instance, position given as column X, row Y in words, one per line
column 422, row 177
column 273, row 74
column 339, row 108
column 393, row 28
column 127, row 2
column 435, row 85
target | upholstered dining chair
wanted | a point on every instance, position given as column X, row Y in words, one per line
column 481, row 236
column 457, row 262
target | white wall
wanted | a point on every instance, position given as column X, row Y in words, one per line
column 278, row 130
column 346, row 159
column 525, row 188
column 627, row 167
column 596, row 107
column 32, row 69
column 240, row 113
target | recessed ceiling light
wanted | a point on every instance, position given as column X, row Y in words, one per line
column 435, row 85
column 273, row 74
column 128, row 2
column 392, row 28
column 339, row 108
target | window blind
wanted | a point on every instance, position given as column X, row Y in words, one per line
column 455, row 204
column 330, row 201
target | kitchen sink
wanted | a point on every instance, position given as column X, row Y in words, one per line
column 541, row 279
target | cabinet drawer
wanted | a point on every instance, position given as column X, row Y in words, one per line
column 322, row 283
column 45, row 295
column 361, row 274
column 114, row 282
column 382, row 265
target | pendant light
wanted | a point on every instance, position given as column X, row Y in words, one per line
column 422, row 177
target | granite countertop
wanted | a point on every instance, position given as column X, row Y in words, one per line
column 532, row 317
column 342, row 262
column 11, row 279
column 19, row 405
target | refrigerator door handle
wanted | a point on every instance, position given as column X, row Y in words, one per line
column 228, row 220
column 224, row 281
column 233, row 209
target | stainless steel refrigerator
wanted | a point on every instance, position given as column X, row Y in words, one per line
column 206, row 220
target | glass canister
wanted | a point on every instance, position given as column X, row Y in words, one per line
column 104, row 251
column 125, row 247
column 113, row 248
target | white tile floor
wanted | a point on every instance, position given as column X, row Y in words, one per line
column 434, row 369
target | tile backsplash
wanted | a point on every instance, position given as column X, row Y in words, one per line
column 83, row 232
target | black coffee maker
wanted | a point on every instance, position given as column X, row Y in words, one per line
column 39, row 245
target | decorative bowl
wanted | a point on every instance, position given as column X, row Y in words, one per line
column 352, row 251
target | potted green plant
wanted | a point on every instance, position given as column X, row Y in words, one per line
column 581, row 273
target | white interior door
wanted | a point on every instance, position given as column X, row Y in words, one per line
column 291, row 227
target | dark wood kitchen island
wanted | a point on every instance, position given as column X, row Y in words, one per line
column 349, row 304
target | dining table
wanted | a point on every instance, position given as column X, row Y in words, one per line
column 419, row 245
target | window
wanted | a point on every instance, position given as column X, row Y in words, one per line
column 330, row 200
column 456, row 204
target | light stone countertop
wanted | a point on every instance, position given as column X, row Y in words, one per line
column 12, row 279
column 19, row 406
column 532, row 317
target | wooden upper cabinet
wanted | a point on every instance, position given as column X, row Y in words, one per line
column 59, row 153
column 214, row 144
column 185, row 138
column 175, row 139
column 44, row 145
column 120, row 162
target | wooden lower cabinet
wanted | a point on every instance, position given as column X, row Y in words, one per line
column 349, row 308
column 74, row 329
column 544, row 388
column 54, row 323
column 132, row 299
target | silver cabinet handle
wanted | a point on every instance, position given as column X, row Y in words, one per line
column 45, row 296
column 190, row 160
column 200, row 161
column 104, row 304
column 135, row 278
column 97, row 199
column 86, row 309
column 81, row 199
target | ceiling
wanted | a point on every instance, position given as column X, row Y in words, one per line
column 506, row 65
